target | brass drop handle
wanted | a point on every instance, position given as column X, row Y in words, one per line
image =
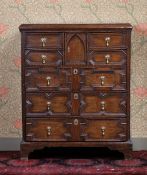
column 43, row 40
column 48, row 105
column 49, row 130
column 48, row 80
column 107, row 58
column 103, row 105
column 102, row 78
column 107, row 39
column 103, row 128
column 43, row 59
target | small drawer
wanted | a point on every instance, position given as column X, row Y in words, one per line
column 44, row 40
column 48, row 104
column 106, row 40
column 103, row 79
column 42, row 58
column 49, row 79
column 103, row 104
column 104, row 130
column 46, row 130
column 113, row 58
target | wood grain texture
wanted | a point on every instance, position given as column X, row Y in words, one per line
column 43, row 58
column 102, row 27
column 51, row 40
column 80, row 93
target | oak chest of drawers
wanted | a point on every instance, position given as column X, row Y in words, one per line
column 76, row 86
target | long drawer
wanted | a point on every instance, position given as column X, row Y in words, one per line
column 84, row 79
column 72, row 104
column 76, row 129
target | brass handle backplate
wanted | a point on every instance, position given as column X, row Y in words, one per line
column 102, row 78
column 107, row 58
column 48, row 80
column 103, row 128
column 107, row 39
column 43, row 59
column 43, row 40
column 49, row 130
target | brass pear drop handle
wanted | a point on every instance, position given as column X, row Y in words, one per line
column 48, row 105
column 102, row 78
column 107, row 58
column 103, row 105
column 48, row 80
column 43, row 59
column 49, row 130
column 107, row 39
column 43, row 41
column 103, row 128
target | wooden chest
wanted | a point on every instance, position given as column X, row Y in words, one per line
column 75, row 86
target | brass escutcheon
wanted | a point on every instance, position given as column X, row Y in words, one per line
column 76, row 121
column 75, row 71
column 76, row 96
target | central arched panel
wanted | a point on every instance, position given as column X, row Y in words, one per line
column 75, row 49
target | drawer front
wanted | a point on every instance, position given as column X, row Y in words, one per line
column 46, row 130
column 44, row 40
column 49, row 79
column 104, row 104
column 42, row 58
column 103, row 79
column 115, row 58
column 76, row 129
column 48, row 104
column 104, row 130
column 106, row 40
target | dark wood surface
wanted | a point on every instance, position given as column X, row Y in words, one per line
column 75, row 26
column 65, row 129
column 76, row 86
